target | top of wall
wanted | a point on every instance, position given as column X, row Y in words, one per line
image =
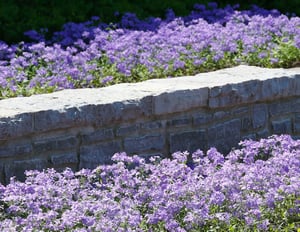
column 222, row 88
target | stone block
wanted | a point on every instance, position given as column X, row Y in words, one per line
column 295, row 84
column 126, row 130
column 276, row 88
column 18, row 167
column 56, row 144
column 179, row 122
column 2, row 175
column 246, row 123
column 264, row 133
column 105, row 114
column 225, row 135
column 11, row 150
column 283, row 126
column 152, row 125
column 153, row 142
column 215, row 92
column 240, row 110
column 64, row 159
column 93, row 155
column 220, row 115
column 188, row 141
column 233, row 94
column 296, row 124
column 57, row 119
column 180, row 101
column 202, row 118
column 259, row 115
column 97, row 136
column 17, row 126
column 295, row 105
column 280, row 108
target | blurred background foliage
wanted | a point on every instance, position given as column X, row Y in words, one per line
column 18, row 16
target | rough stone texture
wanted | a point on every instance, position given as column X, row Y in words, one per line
column 152, row 142
column 97, row 136
column 93, row 155
column 85, row 127
column 179, row 122
column 282, row 127
column 64, row 159
column 259, row 117
column 297, row 124
column 188, row 141
column 58, row 144
column 13, row 150
column 224, row 135
column 18, row 167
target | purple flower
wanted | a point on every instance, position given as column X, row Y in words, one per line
column 107, row 79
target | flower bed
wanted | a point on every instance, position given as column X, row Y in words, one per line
column 255, row 188
column 93, row 54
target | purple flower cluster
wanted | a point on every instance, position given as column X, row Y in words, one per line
column 255, row 188
column 94, row 54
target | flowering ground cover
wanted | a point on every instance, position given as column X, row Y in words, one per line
column 94, row 54
column 254, row 188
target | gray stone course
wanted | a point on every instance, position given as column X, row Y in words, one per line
column 93, row 155
column 64, row 159
column 260, row 115
column 151, row 142
column 97, row 136
column 188, row 141
column 282, row 127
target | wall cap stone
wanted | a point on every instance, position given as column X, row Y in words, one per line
column 70, row 98
column 128, row 101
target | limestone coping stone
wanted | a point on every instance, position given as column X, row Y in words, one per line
column 70, row 98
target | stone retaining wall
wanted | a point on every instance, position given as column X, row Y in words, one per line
column 85, row 127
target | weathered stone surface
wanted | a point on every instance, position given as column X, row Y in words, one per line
column 125, row 130
column 15, row 126
column 56, row 144
column 152, row 142
column 13, row 150
column 296, row 125
column 18, row 167
column 123, row 110
column 240, row 110
column 295, row 105
column 276, row 88
column 246, row 124
column 280, row 108
column 65, row 158
column 188, row 141
column 53, row 119
column 180, row 101
column 179, row 122
column 2, row 175
column 282, row 127
column 260, row 114
column 234, row 94
column 194, row 89
column 202, row 118
column 97, row 136
column 152, row 125
column 263, row 133
column 224, row 135
column 220, row 115
column 93, row 155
